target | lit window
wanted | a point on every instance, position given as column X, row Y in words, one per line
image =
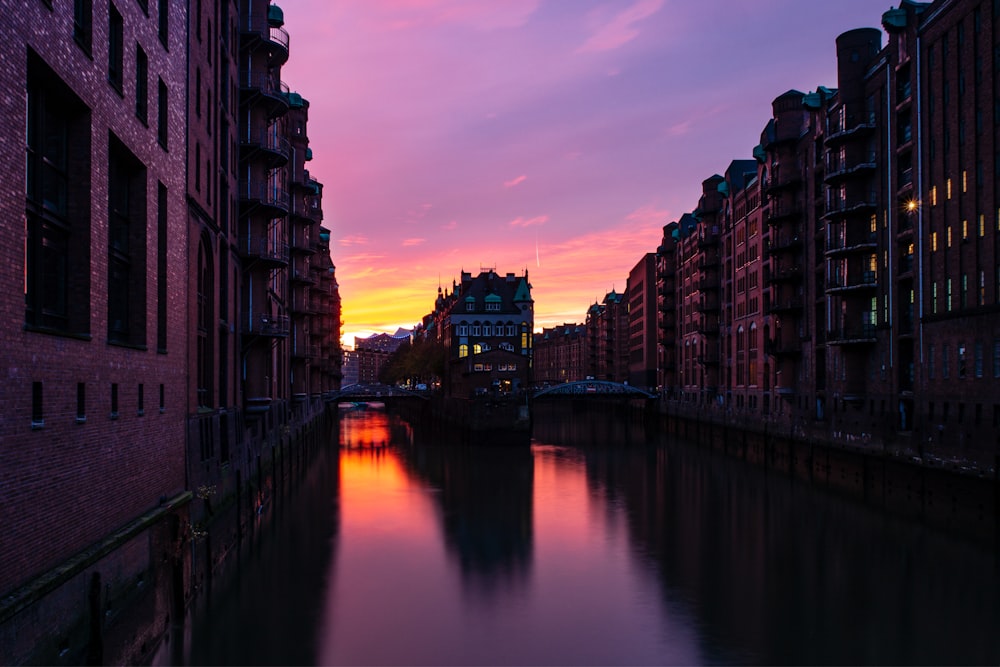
column 477, row 348
column 933, row 241
column 463, row 351
column 948, row 187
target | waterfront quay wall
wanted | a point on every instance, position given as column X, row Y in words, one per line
column 240, row 465
column 951, row 492
column 118, row 600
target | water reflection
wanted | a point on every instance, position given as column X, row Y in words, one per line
column 486, row 555
column 595, row 545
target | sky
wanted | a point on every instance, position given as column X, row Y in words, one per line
column 555, row 137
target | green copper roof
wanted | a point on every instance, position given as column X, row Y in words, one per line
column 523, row 292
column 294, row 100
column 275, row 17
column 309, row 154
column 758, row 153
column 894, row 18
column 493, row 298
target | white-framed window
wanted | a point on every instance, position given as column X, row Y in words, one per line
column 487, row 329
column 476, row 330
column 463, row 329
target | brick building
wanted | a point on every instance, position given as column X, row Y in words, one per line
column 560, row 354
column 92, row 432
column 640, row 293
column 374, row 351
column 859, row 276
column 180, row 306
column 608, row 338
column 485, row 323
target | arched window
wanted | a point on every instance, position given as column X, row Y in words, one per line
column 477, row 348
column 463, row 351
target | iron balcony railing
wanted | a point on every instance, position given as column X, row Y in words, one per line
column 266, row 324
column 862, row 333
column 266, row 250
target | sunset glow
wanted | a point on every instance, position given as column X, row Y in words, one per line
column 555, row 136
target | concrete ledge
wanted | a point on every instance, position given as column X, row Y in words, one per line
column 23, row 597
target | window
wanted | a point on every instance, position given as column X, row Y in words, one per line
column 81, row 402
column 141, row 84
column 978, row 359
column 37, row 414
column 161, row 124
column 127, row 247
column 116, row 48
column 162, row 9
column 476, row 330
column 114, row 400
column 463, row 330
column 83, row 26
column 961, row 362
column 477, row 348
column 161, row 268
column 140, row 409
column 945, row 351
column 463, row 351
column 487, row 329
column 930, row 362
column 163, row 400
column 57, row 248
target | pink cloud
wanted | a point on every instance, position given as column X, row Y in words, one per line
column 407, row 243
column 353, row 240
column 529, row 222
column 620, row 30
column 515, row 181
column 483, row 15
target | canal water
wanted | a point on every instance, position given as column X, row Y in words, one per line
column 593, row 544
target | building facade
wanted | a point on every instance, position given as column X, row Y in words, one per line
column 485, row 324
column 640, row 293
column 92, row 433
column 179, row 307
column 560, row 354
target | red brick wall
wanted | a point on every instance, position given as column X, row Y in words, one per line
column 68, row 484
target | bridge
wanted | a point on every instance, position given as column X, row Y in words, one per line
column 368, row 393
column 593, row 388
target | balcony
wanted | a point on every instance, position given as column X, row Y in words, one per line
column 857, row 280
column 837, row 208
column 265, row 32
column 855, row 125
column 786, row 274
column 266, row 143
column 846, row 243
column 777, row 214
column 707, row 262
column 266, row 325
column 784, row 181
column 264, row 252
column 266, row 88
column 708, row 240
column 837, row 171
column 301, row 243
column 783, row 242
column 259, row 193
column 301, row 276
column 863, row 334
